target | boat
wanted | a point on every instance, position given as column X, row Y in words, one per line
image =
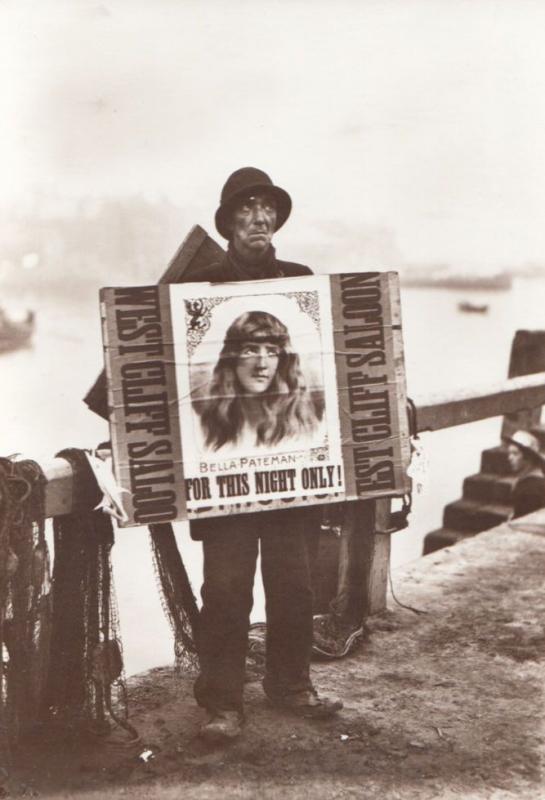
column 473, row 308
column 16, row 333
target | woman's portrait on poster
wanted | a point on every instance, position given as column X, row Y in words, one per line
column 258, row 396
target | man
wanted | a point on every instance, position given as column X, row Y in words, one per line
column 251, row 210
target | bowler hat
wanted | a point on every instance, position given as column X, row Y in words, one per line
column 242, row 182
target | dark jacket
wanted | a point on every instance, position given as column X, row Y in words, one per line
column 529, row 493
column 231, row 269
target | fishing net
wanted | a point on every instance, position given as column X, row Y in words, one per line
column 179, row 604
column 62, row 658
column 24, row 600
column 86, row 684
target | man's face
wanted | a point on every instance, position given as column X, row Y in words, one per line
column 256, row 366
column 253, row 225
column 516, row 458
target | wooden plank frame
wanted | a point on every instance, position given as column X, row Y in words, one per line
column 351, row 323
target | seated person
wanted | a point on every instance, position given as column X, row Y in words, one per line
column 527, row 463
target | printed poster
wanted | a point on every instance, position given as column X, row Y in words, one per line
column 237, row 397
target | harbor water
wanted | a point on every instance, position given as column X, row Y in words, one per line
column 445, row 350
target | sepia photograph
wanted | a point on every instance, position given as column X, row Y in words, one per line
column 272, row 356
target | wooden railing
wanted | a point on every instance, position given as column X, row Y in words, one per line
column 470, row 405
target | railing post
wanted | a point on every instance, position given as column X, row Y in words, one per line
column 527, row 357
column 363, row 562
column 376, row 555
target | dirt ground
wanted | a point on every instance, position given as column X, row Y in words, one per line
column 447, row 703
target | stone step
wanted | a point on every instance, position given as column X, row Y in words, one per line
column 443, row 537
column 489, row 488
column 472, row 516
column 494, row 460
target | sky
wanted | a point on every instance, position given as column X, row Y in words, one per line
column 425, row 118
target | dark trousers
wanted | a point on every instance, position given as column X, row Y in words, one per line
column 288, row 539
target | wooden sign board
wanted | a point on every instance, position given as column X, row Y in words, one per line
column 237, row 397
